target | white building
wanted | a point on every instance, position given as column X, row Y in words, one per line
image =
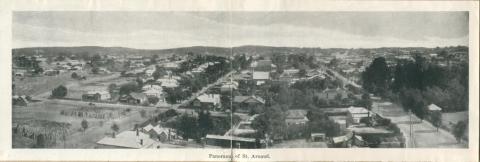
column 357, row 113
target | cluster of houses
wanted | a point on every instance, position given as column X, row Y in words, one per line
column 148, row 137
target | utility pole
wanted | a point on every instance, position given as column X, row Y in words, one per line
column 410, row 127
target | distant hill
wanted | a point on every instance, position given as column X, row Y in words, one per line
column 219, row 51
column 117, row 50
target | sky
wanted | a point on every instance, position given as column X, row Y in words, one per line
column 162, row 30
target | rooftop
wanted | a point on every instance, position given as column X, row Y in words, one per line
column 261, row 75
column 128, row 139
column 433, row 107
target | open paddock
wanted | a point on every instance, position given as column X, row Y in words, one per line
column 76, row 138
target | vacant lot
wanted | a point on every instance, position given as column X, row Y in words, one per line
column 40, row 84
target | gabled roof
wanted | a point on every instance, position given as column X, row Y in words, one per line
column 433, row 107
column 296, row 114
column 240, row 99
column 148, row 127
column 357, row 110
column 138, row 95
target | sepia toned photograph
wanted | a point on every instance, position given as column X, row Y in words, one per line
column 239, row 80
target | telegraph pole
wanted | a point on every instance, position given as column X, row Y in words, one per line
column 410, row 127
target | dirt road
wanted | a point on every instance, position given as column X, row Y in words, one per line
column 423, row 134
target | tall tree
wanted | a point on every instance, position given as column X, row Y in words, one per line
column 376, row 77
column 204, row 122
column 115, row 128
column 84, row 125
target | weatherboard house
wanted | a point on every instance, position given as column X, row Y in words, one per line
column 96, row 95
column 207, row 101
column 248, row 104
column 134, row 98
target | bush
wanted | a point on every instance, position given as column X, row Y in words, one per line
column 153, row 100
column 459, row 130
column 74, row 75
column 59, row 92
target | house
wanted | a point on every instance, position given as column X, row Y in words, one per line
column 341, row 120
column 128, row 140
column 331, row 94
column 317, row 137
column 243, row 129
column 20, row 100
column 434, row 113
column 96, row 95
column 262, row 65
column 229, row 86
column 168, row 82
column 76, row 67
column 170, row 65
column 51, row 72
column 290, row 72
column 153, row 91
column 149, row 72
column 160, row 133
column 434, row 108
column 229, row 141
column 134, row 98
column 207, row 101
column 296, row 122
column 260, row 77
column 103, row 71
column 347, row 141
column 19, row 74
column 357, row 113
column 296, row 117
column 248, row 104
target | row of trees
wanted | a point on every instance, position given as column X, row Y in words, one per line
column 418, row 83
column 29, row 63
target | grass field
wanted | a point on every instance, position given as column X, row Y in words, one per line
column 40, row 84
column 97, row 129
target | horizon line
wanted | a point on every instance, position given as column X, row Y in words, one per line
column 238, row 47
